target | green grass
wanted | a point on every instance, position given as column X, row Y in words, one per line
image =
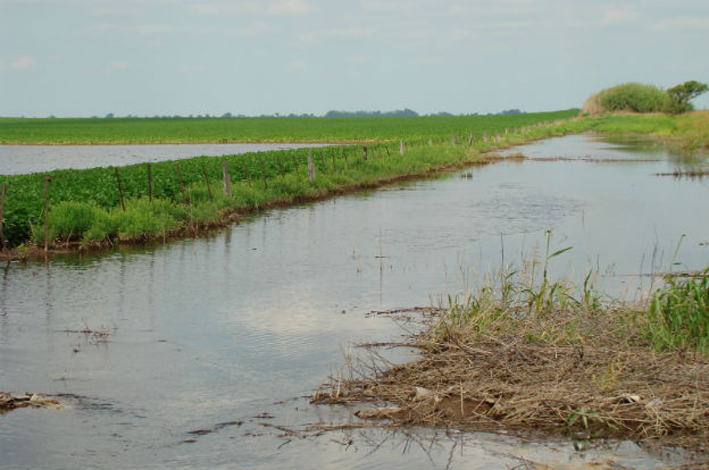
column 223, row 130
column 679, row 314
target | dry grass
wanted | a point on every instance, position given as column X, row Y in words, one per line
column 574, row 372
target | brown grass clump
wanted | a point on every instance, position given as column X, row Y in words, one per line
column 592, row 105
column 572, row 371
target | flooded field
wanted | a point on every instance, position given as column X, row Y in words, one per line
column 199, row 354
column 20, row 159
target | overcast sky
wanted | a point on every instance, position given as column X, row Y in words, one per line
column 165, row 57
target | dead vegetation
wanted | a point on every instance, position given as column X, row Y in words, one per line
column 9, row 402
column 550, row 365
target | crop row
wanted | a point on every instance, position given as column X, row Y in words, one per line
column 321, row 129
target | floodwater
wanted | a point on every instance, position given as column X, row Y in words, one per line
column 20, row 159
column 213, row 343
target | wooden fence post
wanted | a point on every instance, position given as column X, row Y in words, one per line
column 206, row 180
column 226, row 178
column 182, row 186
column 47, row 179
column 150, row 182
column 120, row 188
column 402, row 147
column 470, row 140
column 365, row 154
column 2, row 214
column 311, row 167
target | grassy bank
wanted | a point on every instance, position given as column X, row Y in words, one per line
column 689, row 131
column 272, row 129
column 166, row 199
column 529, row 355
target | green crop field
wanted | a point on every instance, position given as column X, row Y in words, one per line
column 86, row 204
column 277, row 129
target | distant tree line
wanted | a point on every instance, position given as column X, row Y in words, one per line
column 397, row 113
column 406, row 112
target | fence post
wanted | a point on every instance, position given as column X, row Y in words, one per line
column 226, row 178
column 47, row 179
column 120, row 188
column 2, row 214
column 206, row 180
column 150, row 182
column 311, row 167
column 365, row 154
column 470, row 140
column 402, row 147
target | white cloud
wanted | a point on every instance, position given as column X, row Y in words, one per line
column 223, row 8
column 116, row 66
column 681, row 23
column 192, row 68
column 617, row 15
column 22, row 63
column 337, row 33
column 257, row 29
column 297, row 66
column 288, row 7
column 359, row 59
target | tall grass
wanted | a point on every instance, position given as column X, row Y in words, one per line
column 679, row 314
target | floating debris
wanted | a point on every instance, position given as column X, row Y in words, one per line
column 9, row 402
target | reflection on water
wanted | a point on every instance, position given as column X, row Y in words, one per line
column 20, row 159
column 236, row 328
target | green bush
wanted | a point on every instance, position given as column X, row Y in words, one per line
column 69, row 219
column 636, row 97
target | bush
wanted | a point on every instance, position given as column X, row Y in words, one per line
column 635, row 97
column 70, row 219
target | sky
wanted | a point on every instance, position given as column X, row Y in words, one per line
column 169, row 57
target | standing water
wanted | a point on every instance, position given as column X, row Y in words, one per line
column 203, row 350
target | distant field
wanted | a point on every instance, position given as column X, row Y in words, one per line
column 228, row 130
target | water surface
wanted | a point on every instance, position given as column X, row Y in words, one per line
column 213, row 341
column 21, row 159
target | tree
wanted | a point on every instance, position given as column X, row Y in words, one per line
column 680, row 95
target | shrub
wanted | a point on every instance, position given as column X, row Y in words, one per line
column 635, row 97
